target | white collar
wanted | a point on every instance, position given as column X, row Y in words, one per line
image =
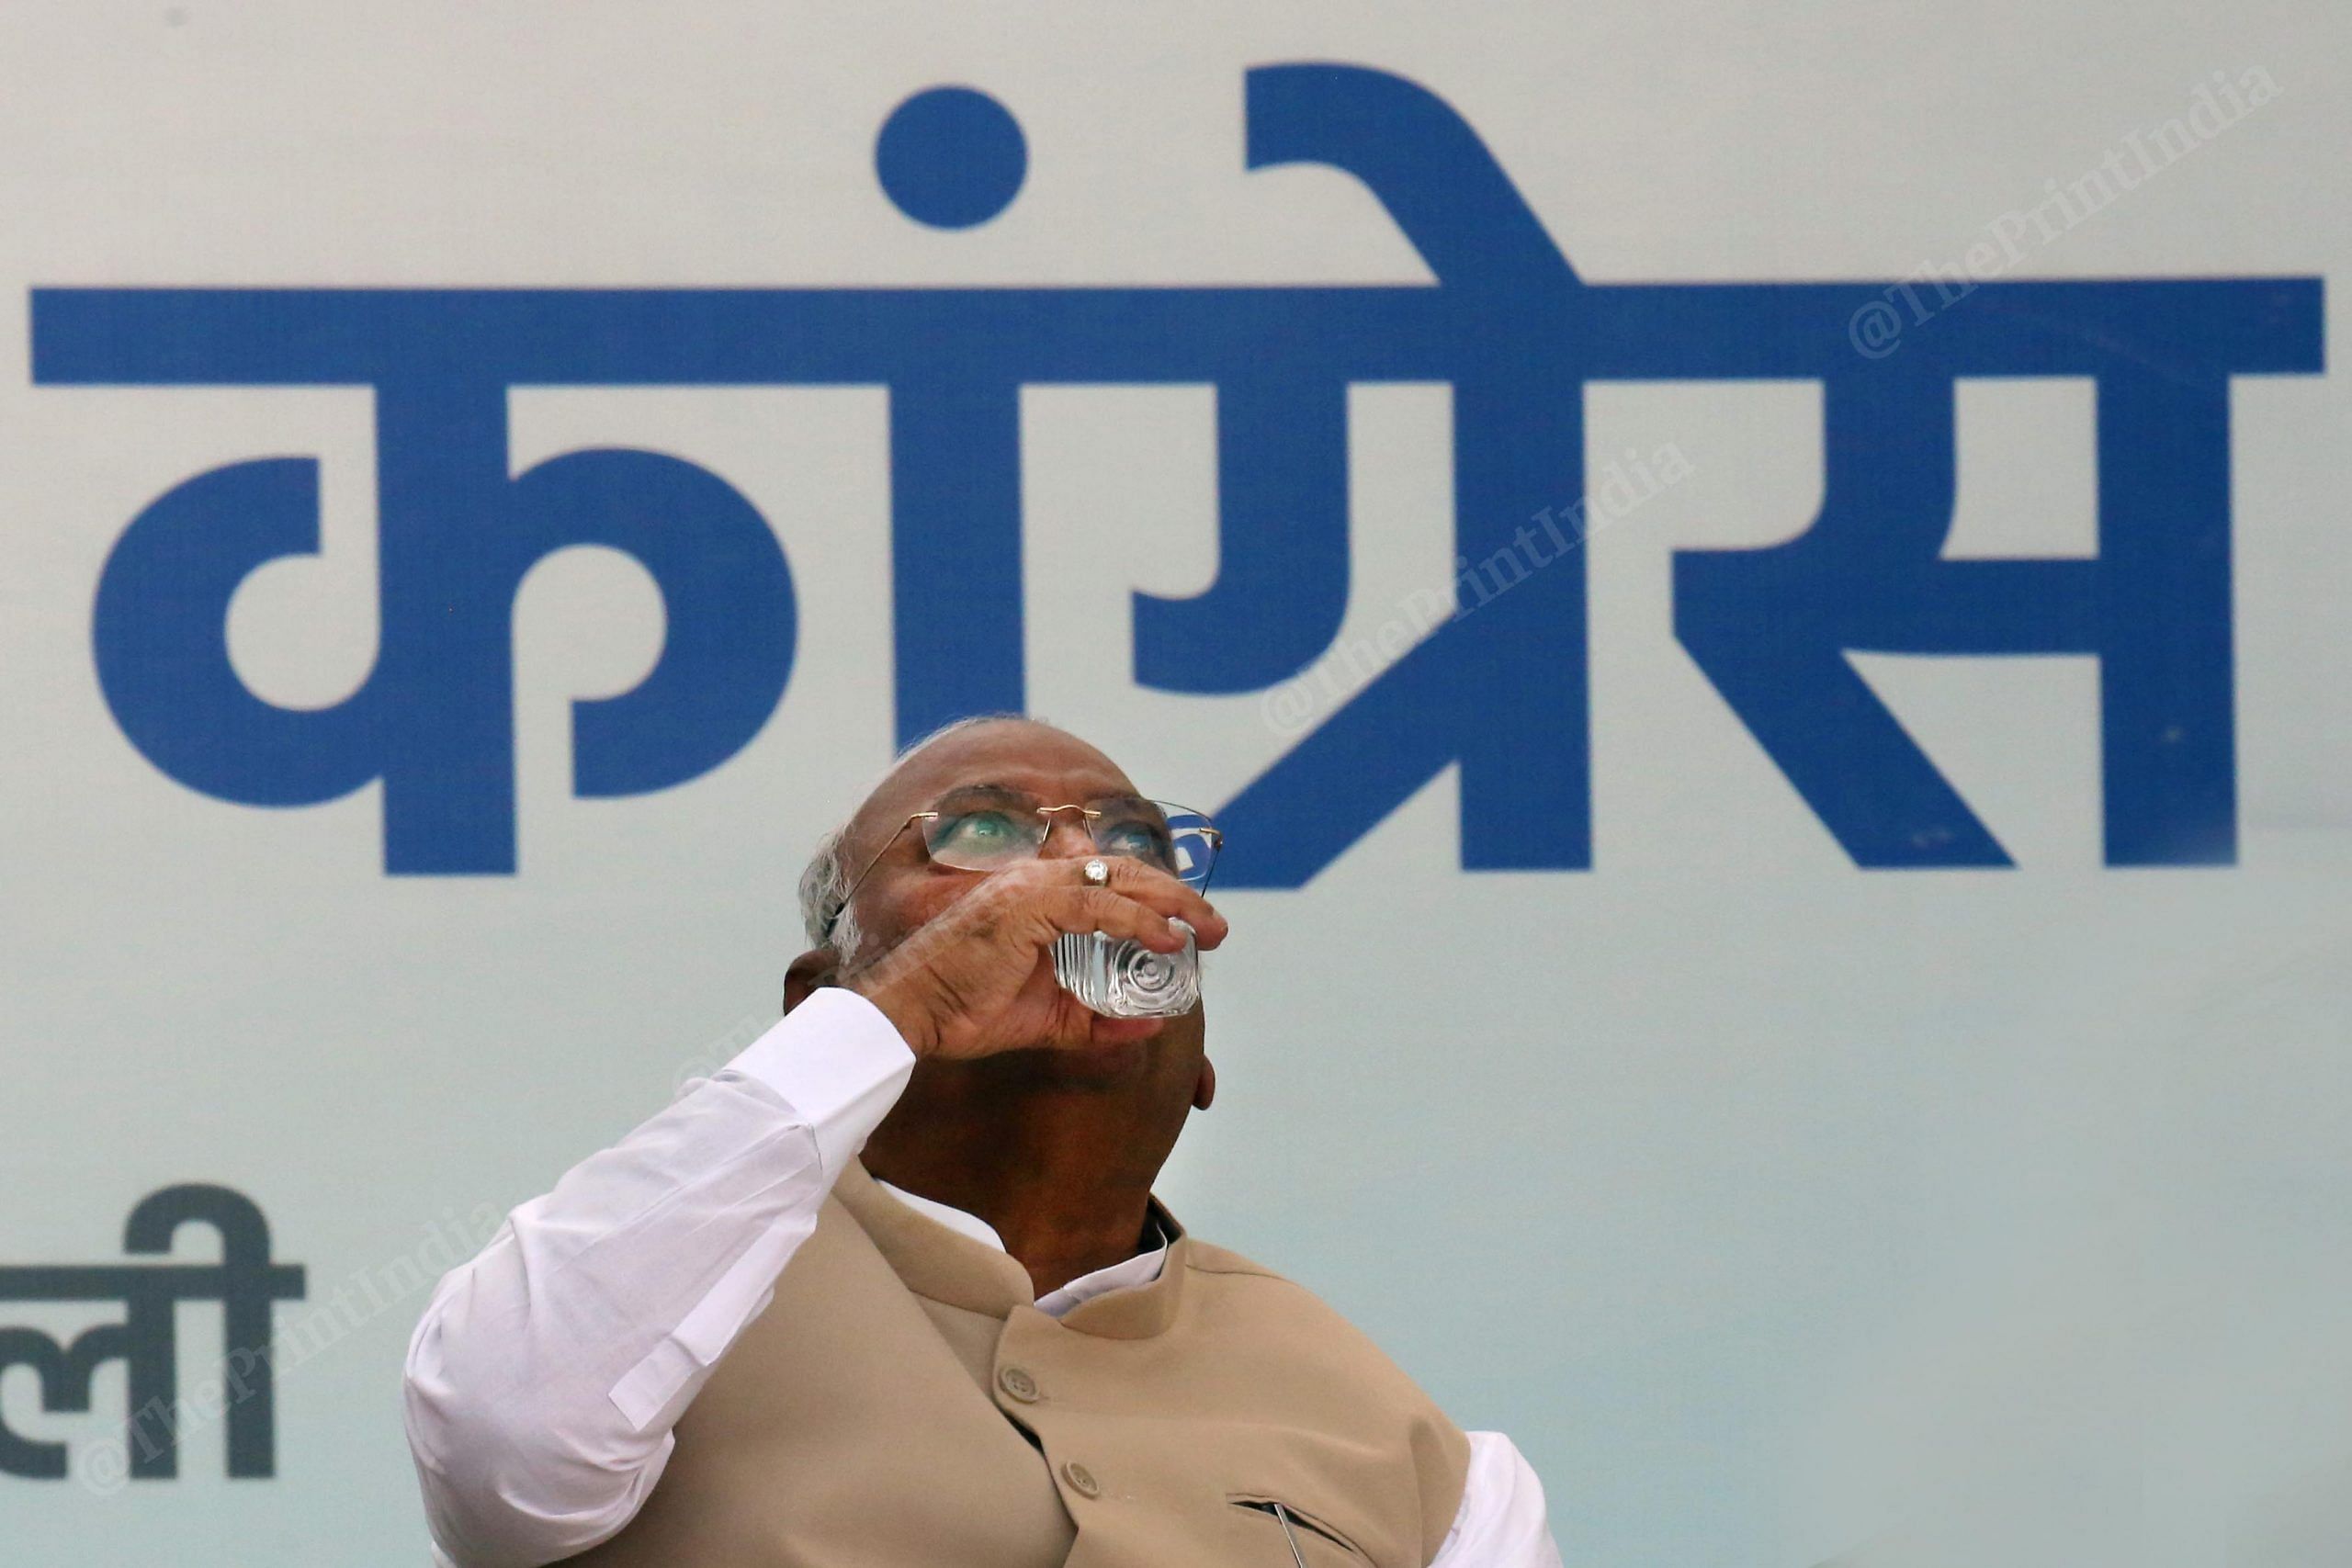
column 1140, row 1270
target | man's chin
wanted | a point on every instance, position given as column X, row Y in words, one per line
column 1108, row 1063
column 1117, row 1057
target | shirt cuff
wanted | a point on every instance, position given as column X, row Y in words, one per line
column 838, row 1063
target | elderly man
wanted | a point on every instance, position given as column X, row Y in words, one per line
column 891, row 1291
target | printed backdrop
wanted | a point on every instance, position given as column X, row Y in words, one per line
column 1761, row 597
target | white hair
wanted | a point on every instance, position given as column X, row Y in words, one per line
column 825, row 914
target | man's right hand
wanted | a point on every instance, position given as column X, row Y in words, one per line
column 978, row 977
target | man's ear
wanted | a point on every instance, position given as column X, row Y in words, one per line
column 1204, row 1088
column 815, row 967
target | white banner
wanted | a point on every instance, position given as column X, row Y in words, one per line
column 1759, row 600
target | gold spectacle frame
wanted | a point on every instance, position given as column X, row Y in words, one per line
column 1181, row 842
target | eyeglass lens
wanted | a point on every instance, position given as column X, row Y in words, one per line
column 977, row 830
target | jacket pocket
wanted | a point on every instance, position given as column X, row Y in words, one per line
column 1316, row 1540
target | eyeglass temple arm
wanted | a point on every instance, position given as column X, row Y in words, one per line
column 859, row 880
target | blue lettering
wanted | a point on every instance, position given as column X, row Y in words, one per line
column 1498, row 691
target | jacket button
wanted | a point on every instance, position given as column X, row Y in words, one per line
column 1020, row 1385
column 1082, row 1480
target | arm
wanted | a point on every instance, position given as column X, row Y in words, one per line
column 1502, row 1522
column 548, row 1372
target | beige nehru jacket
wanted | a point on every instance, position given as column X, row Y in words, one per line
column 902, row 1403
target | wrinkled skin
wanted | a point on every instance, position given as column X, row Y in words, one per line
column 1043, row 1119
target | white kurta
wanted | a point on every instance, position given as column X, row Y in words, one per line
column 548, row 1372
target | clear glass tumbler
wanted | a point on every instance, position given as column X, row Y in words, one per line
column 1119, row 978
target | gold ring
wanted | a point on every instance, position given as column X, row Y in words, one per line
column 1096, row 872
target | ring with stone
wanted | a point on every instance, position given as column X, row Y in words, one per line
column 1096, row 872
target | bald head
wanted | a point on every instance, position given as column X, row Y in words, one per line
column 1033, row 1138
column 1005, row 749
column 1025, row 754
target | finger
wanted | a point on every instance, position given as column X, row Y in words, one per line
column 1150, row 886
column 1080, row 910
column 1064, row 1022
column 1076, row 1026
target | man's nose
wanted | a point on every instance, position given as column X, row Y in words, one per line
column 1066, row 835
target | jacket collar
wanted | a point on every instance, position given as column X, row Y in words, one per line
column 940, row 1263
